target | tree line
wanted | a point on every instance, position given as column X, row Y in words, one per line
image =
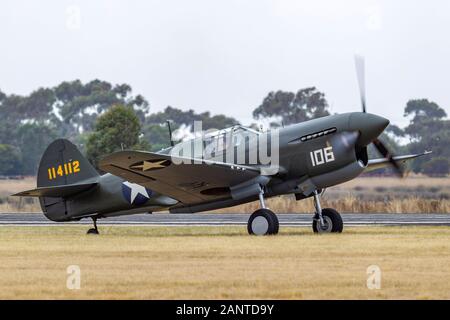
column 102, row 118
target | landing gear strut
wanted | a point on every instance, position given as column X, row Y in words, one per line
column 326, row 220
column 95, row 229
column 263, row 221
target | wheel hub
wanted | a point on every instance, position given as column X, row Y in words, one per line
column 327, row 225
column 260, row 225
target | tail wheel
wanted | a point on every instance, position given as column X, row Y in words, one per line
column 263, row 222
column 332, row 222
column 92, row 231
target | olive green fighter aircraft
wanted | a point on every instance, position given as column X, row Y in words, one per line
column 312, row 156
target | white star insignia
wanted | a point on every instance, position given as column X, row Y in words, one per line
column 135, row 190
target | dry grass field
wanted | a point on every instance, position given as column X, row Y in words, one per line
column 224, row 263
column 349, row 204
column 413, row 194
column 12, row 204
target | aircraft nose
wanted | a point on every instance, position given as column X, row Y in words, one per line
column 369, row 125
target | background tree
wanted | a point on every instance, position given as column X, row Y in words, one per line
column 10, row 118
column 117, row 128
column 180, row 117
column 33, row 139
column 68, row 110
column 291, row 107
column 37, row 106
column 10, row 160
column 72, row 109
column 157, row 133
column 428, row 130
column 437, row 167
column 395, row 130
column 219, row 121
column 79, row 105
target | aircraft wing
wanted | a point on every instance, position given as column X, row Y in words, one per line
column 384, row 162
column 186, row 182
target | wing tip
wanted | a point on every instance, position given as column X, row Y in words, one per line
column 27, row 193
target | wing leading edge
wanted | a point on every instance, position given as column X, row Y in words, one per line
column 384, row 162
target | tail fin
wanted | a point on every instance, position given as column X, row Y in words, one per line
column 63, row 172
column 62, row 164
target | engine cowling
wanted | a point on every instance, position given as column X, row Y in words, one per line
column 349, row 161
column 338, row 176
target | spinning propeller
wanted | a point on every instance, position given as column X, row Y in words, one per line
column 360, row 72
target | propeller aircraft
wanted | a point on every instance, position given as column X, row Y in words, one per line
column 223, row 172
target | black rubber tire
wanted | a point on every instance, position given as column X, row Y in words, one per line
column 337, row 225
column 276, row 223
column 272, row 220
column 92, row 231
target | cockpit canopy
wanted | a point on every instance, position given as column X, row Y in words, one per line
column 217, row 142
column 212, row 144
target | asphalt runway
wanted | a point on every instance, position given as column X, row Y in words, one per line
column 208, row 219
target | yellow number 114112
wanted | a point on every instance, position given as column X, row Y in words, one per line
column 64, row 169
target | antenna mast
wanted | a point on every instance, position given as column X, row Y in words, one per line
column 170, row 132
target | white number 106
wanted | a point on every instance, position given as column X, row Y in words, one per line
column 322, row 156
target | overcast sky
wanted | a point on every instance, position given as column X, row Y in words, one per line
column 225, row 56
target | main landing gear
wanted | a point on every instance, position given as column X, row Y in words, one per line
column 264, row 222
column 93, row 230
column 326, row 220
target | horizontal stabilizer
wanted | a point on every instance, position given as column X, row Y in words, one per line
column 56, row 191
